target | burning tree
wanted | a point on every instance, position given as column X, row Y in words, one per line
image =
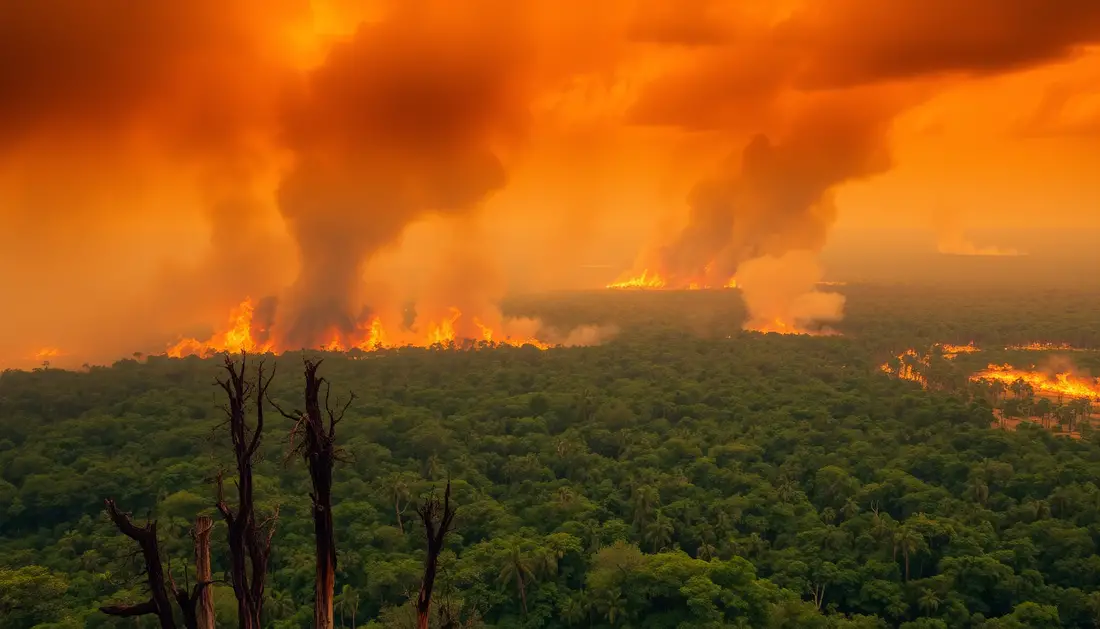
column 249, row 539
column 438, row 519
column 315, row 442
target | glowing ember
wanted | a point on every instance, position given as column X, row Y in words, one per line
column 732, row 283
column 1054, row 384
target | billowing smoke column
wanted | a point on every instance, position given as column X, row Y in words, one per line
column 773, row 200
column 404, row 119
column 160, row 161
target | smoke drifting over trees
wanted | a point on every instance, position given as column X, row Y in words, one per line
column 196, row 153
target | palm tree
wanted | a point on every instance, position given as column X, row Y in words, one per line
column 909, row 541
column 565, row 496
column 519, row 568
column 613, row 606
column 928, row 602
column 574, row 610
column 645, row 501
column 659, row 532
column 978, row 489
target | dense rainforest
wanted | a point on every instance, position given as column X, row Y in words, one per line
column 682, row 474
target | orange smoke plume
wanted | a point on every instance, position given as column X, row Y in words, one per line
column 286, row 147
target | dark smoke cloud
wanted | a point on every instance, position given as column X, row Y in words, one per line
column 402, row 120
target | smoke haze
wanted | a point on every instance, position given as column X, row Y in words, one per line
column 162, row 161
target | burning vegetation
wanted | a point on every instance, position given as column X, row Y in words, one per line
column 1059, row 379
column 245, row 333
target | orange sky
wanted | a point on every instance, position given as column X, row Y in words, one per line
column 348, row 155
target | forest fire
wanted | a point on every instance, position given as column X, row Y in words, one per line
column 1061, row 384
column 951, row 351
column 654, row 281
column 905, row 369
column 1044, row 347
column 371, row 335
column 237, row 338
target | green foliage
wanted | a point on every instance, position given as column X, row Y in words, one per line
column 660, row 480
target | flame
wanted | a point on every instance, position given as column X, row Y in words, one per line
column 951, row 351
column 238, row 337
column 369, row 335
column 655, row 281
column 443, row 332
column 645, row 280
column 1043, row 347
column 905, row 369
column 376, row 336
column 779, row 326
column 1066, row 384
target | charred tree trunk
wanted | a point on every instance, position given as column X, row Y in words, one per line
column 315, row 442
column 249, row 539
column 438, row 521
column 146, row 538
column 204, row 613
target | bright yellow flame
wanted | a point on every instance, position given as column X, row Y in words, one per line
column 237, row 338
column 1057, row 384
column 645, row 280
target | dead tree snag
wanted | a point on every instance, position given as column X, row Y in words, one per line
column 315, row 442
column 146, row 538
column 438, row 521
column 204, row 612
column 249, row 539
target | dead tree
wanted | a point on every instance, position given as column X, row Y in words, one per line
column 315, row 442
column 438, row 521
column 158, row 603
column 146, row 538
column 204, row 608
column 249, row 539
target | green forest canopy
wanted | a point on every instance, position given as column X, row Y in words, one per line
column 682, row 475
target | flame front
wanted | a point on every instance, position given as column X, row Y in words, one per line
column 1043, row 347
column 645, row 280
column 654, row 281
column 237, row 338
column 370, row 335
column 1064, row 384
column 951, row 351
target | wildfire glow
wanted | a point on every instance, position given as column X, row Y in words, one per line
column 1043, row 347
column 370, row 335
column 951, row 351
column 47, row 353
column 1065, row 384
column 645, row 280
column 654, row 281
column 905, row 367
column 237, row 338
